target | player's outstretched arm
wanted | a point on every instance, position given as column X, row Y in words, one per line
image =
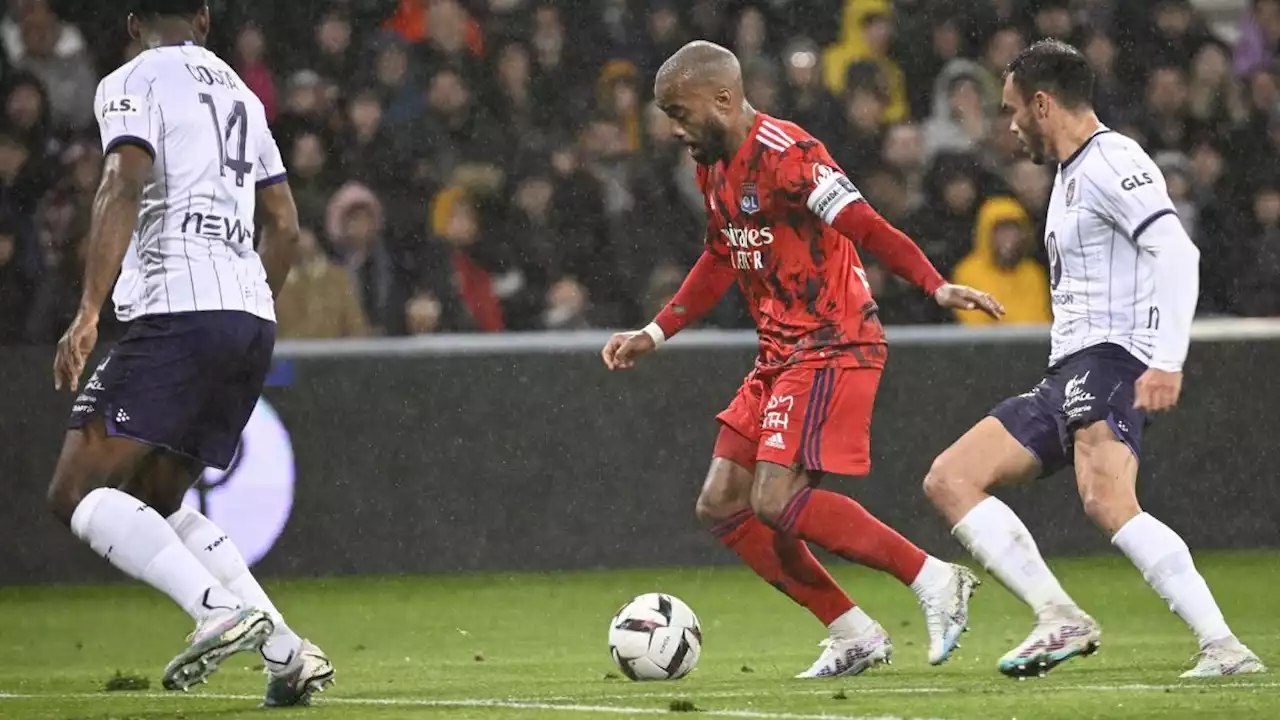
column 702, row 288
column 115, row 213
column 278, row 218
column 900, row 254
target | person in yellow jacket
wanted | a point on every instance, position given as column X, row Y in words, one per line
column 865, row 33
column 1000, row 264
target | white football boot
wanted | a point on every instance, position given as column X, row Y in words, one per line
column 214, row 640
column 1059, row 635
column 946, row 612
column 1224, row 657
column 851, row 656
column 307, row 672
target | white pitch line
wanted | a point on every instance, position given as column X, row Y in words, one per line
column 497, row 704
column 1131, row 687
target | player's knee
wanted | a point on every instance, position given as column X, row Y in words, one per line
column 770, row 496
column 943, row 481
column 64, row 496
column 1109, row 508
column 716, row 505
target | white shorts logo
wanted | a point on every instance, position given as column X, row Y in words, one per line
column 253, row 499
column 1076, row 398
column 777, row 415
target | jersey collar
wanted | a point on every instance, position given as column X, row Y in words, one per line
column 1102, row 130
column 744, row 150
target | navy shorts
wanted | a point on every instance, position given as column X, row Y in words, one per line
column 185, row 382
column 1095, row 384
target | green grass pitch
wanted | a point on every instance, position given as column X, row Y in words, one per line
column 502, row 647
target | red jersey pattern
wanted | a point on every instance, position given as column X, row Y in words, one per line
column 802, row 279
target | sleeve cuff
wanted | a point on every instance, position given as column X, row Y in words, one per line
column 1142, row 226
column 655, row 333
column 273, row 180
column 133, row 140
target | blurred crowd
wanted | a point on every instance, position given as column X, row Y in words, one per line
column 491, row 165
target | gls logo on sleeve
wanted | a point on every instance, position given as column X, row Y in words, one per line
column 1136, row 181
column 122, row 106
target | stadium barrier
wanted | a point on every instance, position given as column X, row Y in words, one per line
column 521, row 452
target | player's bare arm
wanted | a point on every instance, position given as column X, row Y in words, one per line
column 278, row 218
column 115, row 213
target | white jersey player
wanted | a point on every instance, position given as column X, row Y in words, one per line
column 189, row 160
column 1124, row 280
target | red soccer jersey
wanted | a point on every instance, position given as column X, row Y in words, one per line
column 803, row 280
column 782, row 222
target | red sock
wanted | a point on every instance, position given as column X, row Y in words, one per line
column 840, row 525
column 785, row 563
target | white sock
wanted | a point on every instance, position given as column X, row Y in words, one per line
column 853, row 624
column 1004, row 546
column 134, row 538
column 216, row 552
column 1165, row 561
column 934, row 575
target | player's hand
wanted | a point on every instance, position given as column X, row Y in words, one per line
column 73, row 351
column 1157, row 390
column 623, row 349
column 962, row 297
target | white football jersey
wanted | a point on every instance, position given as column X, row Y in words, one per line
column 1103, row 283
column 192, row 249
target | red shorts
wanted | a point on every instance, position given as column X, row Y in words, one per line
column 818, row 419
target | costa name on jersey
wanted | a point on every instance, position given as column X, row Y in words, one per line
column 192, row 248
column 1102, row 263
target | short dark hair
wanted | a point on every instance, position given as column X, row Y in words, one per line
column 1055, row 68
column 168, row 8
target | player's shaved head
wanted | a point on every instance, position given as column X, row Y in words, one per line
column 701, row 63
column 700, row 89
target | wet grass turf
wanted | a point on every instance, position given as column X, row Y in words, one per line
column 533, row 646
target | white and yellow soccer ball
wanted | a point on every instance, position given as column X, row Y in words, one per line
column 655, row 637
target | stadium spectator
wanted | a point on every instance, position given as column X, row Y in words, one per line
column 1111, row 98
column 318, row 300
column 310, row 177
column 944, row 228
column 804, row 98
column 250, row 63
column 962, row 108
column 869, row 38
column 354, row 224
column 1260, row 255
column 56, row 53
column 904, row 152
column 15, row 289
column 1000, row 263
column 1259, row 44
column 666, row 33
column 333, row 55
column 539, row 113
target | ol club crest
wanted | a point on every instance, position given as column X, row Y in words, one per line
column 750, row 198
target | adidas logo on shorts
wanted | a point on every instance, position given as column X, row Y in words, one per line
column 775, row 441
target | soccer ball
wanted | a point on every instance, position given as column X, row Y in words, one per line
column 655, row 637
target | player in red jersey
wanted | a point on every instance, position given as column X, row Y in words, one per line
column 785, row 222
